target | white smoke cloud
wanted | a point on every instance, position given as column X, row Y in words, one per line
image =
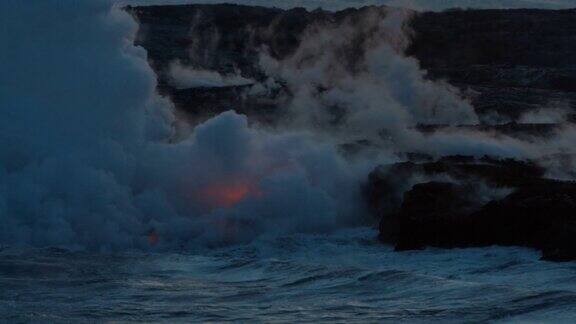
column 372, row 84
column 552, row 113
column 75, row 113
column 183, row 77
column 383, row 95
column 86, row 158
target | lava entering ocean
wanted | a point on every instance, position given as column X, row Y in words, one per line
column 227, row 194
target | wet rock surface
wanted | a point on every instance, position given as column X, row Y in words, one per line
column 465, row 202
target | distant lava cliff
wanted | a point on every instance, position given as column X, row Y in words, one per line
column 507, row 61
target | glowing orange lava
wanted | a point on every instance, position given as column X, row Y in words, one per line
column 227, row 194
column 152, row 237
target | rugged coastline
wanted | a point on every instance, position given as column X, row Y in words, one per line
column 506, row 63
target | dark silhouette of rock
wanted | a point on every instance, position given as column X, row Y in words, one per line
column 434, row 214
column 469, row 210
column 449, row 215
column 514, row 60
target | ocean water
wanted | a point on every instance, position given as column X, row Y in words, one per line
column 339, row 277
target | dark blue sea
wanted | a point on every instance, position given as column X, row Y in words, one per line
column 341, row 277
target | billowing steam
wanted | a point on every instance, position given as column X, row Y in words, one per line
column 87, row 151
column 352, row 81
column 183, row 77
column 86, row 158
column 357, row 72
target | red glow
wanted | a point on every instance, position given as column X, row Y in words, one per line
column 153, row 237
column 227, row 194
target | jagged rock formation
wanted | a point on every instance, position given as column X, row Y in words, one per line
column 462, row 201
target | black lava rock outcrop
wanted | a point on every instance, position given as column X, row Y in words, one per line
column 464, row 202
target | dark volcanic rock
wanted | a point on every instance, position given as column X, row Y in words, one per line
column 515, row 60
column 448, row 215
column 531, row 211
column 495, row 172
column 204, row 103
column 543, row 217
column 433, row 213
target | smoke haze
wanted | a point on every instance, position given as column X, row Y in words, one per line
column 86, row 158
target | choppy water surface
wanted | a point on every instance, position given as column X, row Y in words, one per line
column 338, row 277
